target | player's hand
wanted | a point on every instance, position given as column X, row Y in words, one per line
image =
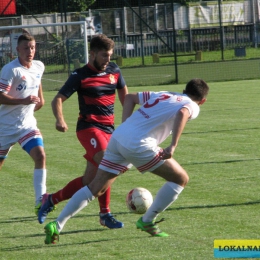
column 61, row 126
column 166, row 153
column 31, row 100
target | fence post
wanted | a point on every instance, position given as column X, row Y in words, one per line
column 156, row 58
column 198, row 56
column 119, row 61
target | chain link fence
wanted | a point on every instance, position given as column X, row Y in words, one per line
column 156, row 43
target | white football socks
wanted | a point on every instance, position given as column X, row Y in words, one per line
column 77, row 202
column 168, row 193
column 39, row 183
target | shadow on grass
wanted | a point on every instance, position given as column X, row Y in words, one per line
column 33, row 247
column 27, row 219
column 22, row 248
column 51, row 218
column 101, row 229
column 63, row 233
column 217, row 205
column 227, row 161
column 222, row 130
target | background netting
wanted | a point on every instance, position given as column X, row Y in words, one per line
column 157, row 42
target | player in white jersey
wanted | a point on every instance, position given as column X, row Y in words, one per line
column 20, row 95
column 136, row 142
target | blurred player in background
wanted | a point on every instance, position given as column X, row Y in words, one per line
column 161, row 114
column 21, row 95
column 96, row 84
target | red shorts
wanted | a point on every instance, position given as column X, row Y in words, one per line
column 93, row 140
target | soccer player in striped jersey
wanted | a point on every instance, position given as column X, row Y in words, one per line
column 136, row 142
column 21, row 95
column 96, row 85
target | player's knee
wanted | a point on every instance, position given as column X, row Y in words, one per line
column 1, row 163
column 96, row 192
column 185, row 179
column 182, row 178
column 39, row 156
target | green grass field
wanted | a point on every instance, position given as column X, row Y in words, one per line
column 163, row 74
column 219, row 150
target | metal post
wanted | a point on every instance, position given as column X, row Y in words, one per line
column 141, row 31
column 86, row 42
column 221, row 32
column 255, row 32
column 174, row 47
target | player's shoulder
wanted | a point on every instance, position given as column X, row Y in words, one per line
column 159, row 93
column 193, row 108
column 112, row 67
column 81, row 72
column 38, row 64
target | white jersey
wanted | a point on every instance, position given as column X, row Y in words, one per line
column 152, row 123
column 19, row 82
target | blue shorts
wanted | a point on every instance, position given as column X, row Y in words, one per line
column 27, row 147
column 33, row 143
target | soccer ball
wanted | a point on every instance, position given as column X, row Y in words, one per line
column 138, row 200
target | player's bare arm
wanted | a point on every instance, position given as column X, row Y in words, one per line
column 178, row 127
column 58, row 113
column 9, row 100
column 41, row 103
column 121, row 94
column 130, row 101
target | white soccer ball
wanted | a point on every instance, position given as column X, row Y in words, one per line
column 138, row 200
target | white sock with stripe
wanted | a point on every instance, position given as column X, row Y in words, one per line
column 168, row 193
column 39, row 183
column 77, row 202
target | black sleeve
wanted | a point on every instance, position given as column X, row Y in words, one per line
column 72, row 84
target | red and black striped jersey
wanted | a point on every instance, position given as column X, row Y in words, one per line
column 96, row 95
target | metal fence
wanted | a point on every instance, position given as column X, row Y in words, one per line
column 174, row 32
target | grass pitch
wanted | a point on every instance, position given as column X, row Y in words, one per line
column 219, row 150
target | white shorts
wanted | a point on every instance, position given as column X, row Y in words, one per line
column 23, row 136
column 118, row 159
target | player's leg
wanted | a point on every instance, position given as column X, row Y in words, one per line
column 78, row 201
column 1, row 162
column 73, row 186
column 176, row 178
column 49, row 201
column 4, row 151
column 105, row 176
column 95, row 143
column 35, row 148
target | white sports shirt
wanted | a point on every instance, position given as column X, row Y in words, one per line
column 19, row 82
column 152, row 123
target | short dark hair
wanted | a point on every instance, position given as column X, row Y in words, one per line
column 197, row 89
column 101, row 42
column 25, row 37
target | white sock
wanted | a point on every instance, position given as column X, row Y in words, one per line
column 165, row 197
column 39, row 183
column 77, row 202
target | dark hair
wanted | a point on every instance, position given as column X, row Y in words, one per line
column 197, row 89
column 25, row 37
column 101, row 42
